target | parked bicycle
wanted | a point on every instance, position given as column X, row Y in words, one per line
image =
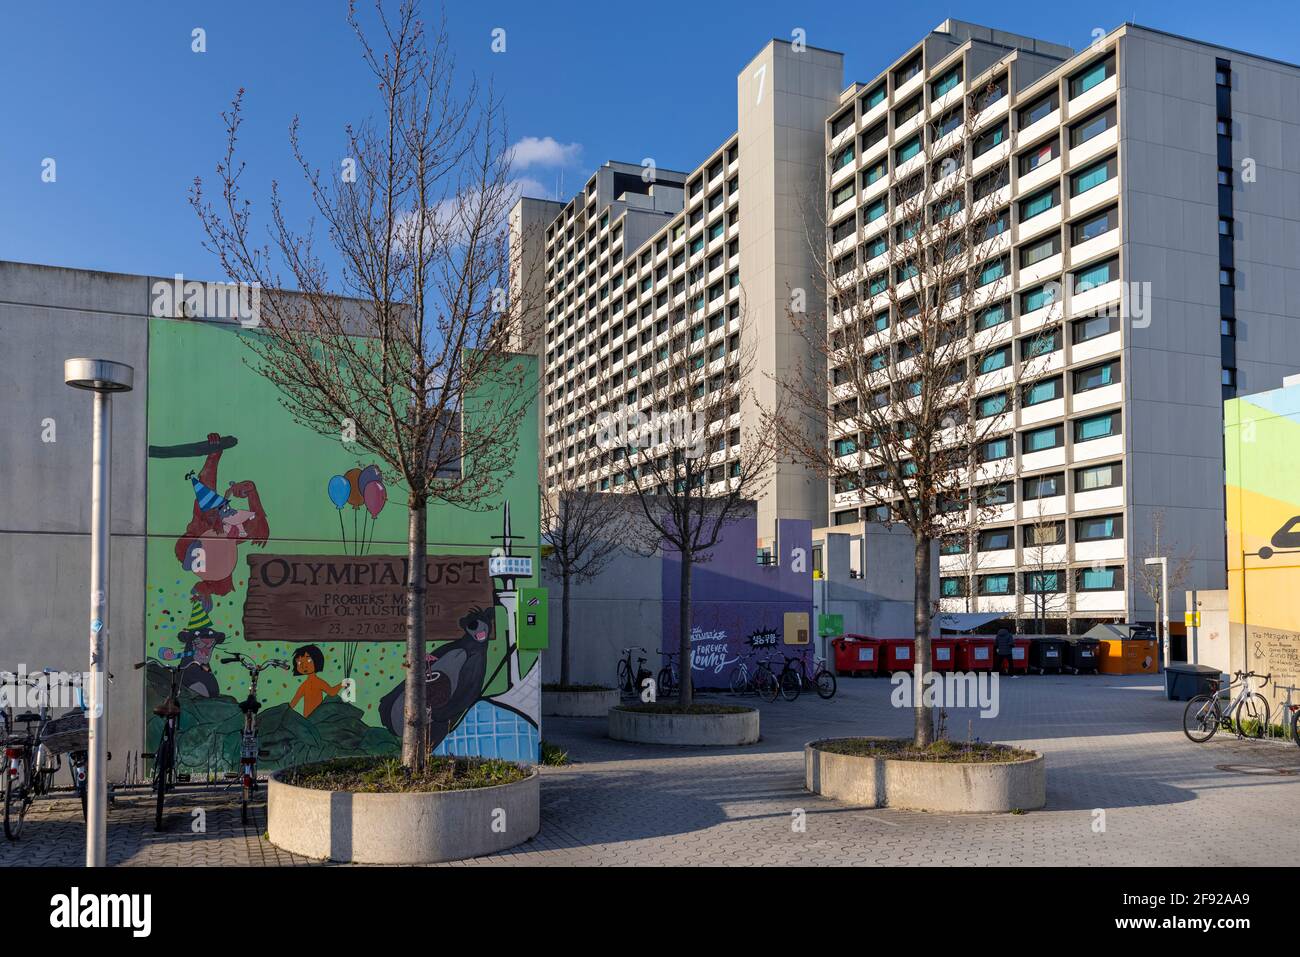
column 165, row 775
column 820, row 679
column 34, row 756
column 249, row 747
column 630, row 679
column 1205, row 713
column 668, row 676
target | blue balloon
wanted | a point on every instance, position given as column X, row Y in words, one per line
column 340, row 489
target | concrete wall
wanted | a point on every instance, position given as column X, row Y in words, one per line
column 1210, row 643
column 49, row 315
column 1168, row 160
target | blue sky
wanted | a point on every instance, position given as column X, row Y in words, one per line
column 115, row 96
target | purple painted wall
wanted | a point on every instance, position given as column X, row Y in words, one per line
column 733, row 598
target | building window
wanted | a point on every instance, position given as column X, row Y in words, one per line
column 1044, row 583
column 1099, row 579
column 994, row 584
column 991, row 405
column 1096, row 477
column 1091, row 76
column 876, row 247
column 1040, row 344
column 1227, row 327
column 995, row 449
column 1227, row 277
column 1093, row 176
column 1093, row 327
column 842, row 195
column 1037, row 110
column 874, row 97
column 992, row 316
column 1096, row 377
column 909, row 149
column 1044, row 486
column 846, row 518
column 1225, row 226
column 1093, row 126
column 1096, row 427
column 989, row 139
column 875, row 210
column 1098, row 528
column 874, row 172
column 1042, row 391
column 1001, row 493
column 1098, row 274
column 1036, row 252
column 841, row 123
column 995, row 539
column 1228, row 377
column 994, row 360
column 952, row 587
column 948, row 81
column 1039, row 298
column 992, row 272
column 908, row 70
column 1043, row 534
column 1039, row 203
column 1094, row 225
column 1043, row 153
column 1040, row 440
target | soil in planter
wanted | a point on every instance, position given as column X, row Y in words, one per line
column 579, row 688
column 667, row 707
column 940, row 752
column 388, row 775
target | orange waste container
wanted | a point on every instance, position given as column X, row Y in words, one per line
column 1129, row 656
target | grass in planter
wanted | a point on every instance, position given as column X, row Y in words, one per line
column 560, row 687
column 379, row 775
column 672, row 707
column 940, row 752
column 554, row 756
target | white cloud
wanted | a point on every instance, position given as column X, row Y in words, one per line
column 543, row 151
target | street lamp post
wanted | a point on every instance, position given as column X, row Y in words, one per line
column 103, row 378
column 1164, row 603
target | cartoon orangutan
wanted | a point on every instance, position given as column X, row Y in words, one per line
column 210, row 546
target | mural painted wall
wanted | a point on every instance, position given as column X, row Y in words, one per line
column 268, row 539
column 737, row 605
column 1262, row 451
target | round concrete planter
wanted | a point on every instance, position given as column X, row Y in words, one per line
column 418, row 827
column 705, row 730
column 578, row 704
column 926, row 785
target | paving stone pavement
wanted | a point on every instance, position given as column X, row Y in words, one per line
column 1113, row 745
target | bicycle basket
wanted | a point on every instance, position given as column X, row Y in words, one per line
column 66, row 733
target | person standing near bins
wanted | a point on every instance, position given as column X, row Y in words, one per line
column 1002, row 646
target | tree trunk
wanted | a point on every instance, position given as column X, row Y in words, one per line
column 564, row 630
column 924, row 730
column 413, row 716
column 685, row 687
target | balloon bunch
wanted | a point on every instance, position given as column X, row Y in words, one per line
column 357, row 487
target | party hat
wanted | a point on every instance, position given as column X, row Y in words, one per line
column 206, row 497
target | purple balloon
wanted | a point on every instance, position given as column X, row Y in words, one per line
column 368, row 474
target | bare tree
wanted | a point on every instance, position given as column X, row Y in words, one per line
column 1045, row 584
column 402, row 346
column 684, row 453
column 1157, row 543
column 584, row 531
column 922, row 385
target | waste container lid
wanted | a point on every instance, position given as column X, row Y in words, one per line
column 1187, row 668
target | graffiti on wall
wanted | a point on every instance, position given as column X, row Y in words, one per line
column 265, row 539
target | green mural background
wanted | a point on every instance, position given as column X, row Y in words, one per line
column 201, row 384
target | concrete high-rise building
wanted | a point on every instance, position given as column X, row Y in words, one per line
column 1150, row 205
column 646, row 262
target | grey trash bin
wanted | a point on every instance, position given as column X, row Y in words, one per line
column 1184, row 681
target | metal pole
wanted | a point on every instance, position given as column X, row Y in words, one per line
column 1164, row 605
column 97, row 773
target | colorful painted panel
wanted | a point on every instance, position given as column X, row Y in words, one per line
column 1262, row 446
column 272, row 541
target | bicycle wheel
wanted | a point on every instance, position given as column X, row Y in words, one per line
column 766, row 686
column 161, row 772
column 790, row 683
column 624, row 677
column 826, row 684
column 15, row 806
column 1252, row 716
column 1201, row 718
column 738, row 681
column 665, row 680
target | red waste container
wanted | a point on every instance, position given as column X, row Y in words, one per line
column 1018, row 663
column 856, row 655
column 975, row 653
column 896, row 654
column 943, row 654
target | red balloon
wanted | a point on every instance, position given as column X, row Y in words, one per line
column 376, row 495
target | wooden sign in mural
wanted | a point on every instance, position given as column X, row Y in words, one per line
column 357, row 598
